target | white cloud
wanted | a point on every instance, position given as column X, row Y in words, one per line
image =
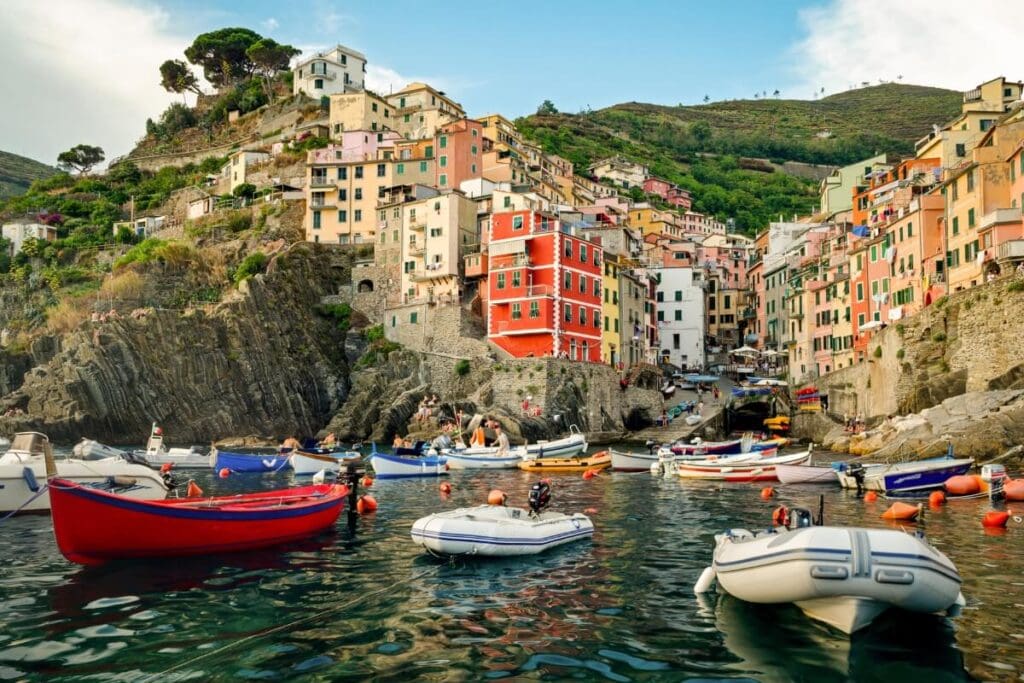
column 270, row 24
column 81, row 72
column 927, row 42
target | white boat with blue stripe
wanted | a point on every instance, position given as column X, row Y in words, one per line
column 388, row 466
column 842, row 576
column 498, row 531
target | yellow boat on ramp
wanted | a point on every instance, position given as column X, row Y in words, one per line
column 580, row 463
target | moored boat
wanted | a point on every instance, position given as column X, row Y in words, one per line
column 806, row 474
column 581, row 463
column 247, row 462
column 305, row 462
column 632, row 461
column 484, row 458
column 842, row 576
column 920, row 475
column 158, row 454
column 750, row 470
column 498, row 531
column 94, row 527
column 23, row 474
column 388, row 466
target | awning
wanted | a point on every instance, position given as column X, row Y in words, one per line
column 872, row 325
column 861, row 231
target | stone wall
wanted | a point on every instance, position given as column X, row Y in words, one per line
column 971, row 341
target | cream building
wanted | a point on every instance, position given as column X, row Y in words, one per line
column 360, row 111
column 439, row 231
column 420, row 110
column 338, row 70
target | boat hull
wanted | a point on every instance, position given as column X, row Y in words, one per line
column 806, row 474
column 179, row 459
column 93, row 527
column 743, row 472
column 241, row 463
column 496, row 531
column 596, row 461
column 459, row 460
column 842, row 576
column 16, row 488
column 632, row 462
column 912, row 476
column 310, row 463
column 388, row 466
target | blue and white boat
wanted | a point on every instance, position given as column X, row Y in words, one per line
column 247, row 462
column 920, row 475
column 484, row 458
column 388, row 466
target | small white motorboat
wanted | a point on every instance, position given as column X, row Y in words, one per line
column 499, row 531
column 306, row 462
column 843, row 576
column 388, row 466
column 633, row 461
column 741, row 469
column 156, row 453
column 484, row 458
column 920, row 475
column 806, row 474
column 23, row 475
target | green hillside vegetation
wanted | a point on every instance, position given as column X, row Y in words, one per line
column 704, row 148
column 18, row 172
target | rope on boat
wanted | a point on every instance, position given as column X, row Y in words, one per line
column 28, row 502
column 288, row 626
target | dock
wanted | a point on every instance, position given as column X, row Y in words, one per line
column 677, row 429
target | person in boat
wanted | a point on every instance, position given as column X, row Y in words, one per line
column 397, row 442
column 329, row 440
column 290, row 444
column 501, row 441
column 479, row 437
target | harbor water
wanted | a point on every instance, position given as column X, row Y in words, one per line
column 362, row 602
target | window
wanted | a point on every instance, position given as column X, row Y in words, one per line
column 606, row 295
column 874, row 253
column 472, row 149
column 400, row 169
column 517, row 311
column 568, row 313
column 675, row 341
column 956, row 183
column 436, row 232
column 517, row 222
column 382, row 170
column 583, row 284
column 660, row 296
column 316, row 220
column 318, row 84
column 373, row 106
column 568, row 249
column 517, row 278
column 860, row 291
column 583, row 316
column 507, row 202
column 443, row 142
column 358, row 193
column 443, row 180
column 606, row 323
column 661, row 316
column 472, row 169
column 597, row 257
column 423, row 167
column 910, row 229
column 679, row 295
column 401, row 102
column 956, row 225
column 357, row 215
column 597, row 288
column 359, row 172
column 728, row 301
column 342, row 195
column 413, row 317
column 597, row 319
column 970, row 179
column 860, row 319
column 678, row 314
column 501, row 280
column 443, row 161
column 534, row 309
column 567, row 283
column 429, row 152
column 970, row 218
column 342, row 216
column 961, row 150
column 583, row 253
column 615, row 297
column 342, row 173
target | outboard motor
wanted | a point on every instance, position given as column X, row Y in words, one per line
column 856, row 470
column 800, row 518
column 540, row 497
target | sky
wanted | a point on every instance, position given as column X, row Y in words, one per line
column 86, row 71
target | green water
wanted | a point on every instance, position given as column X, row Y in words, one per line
column 364, row 603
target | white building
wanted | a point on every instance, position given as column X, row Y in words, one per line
column 681, row 316
column 239, row 165
column 338, row 70
column 619, row 170
column 17, row 233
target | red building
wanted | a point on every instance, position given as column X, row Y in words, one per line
column 673, row 194
column 459, row 149
column 544, row 288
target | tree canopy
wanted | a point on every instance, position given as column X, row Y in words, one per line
column 547, row 108
column 222, row 54
column 269, row 58
column 176, row 76
column 81, row 158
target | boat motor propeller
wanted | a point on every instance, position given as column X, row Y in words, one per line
column 540, row 497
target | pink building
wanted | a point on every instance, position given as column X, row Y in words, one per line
column 673, row 194
column 459, row 149
column 356, row 145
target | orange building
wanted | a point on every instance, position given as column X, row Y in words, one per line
column 459, row 146
column 544, row 288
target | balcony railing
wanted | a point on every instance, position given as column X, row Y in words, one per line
column 523, row 325
column 540, row 290
column 419, row 227
column 510, row 261
column 322, row 204
column 321, row 181
column 1014, row 249
column 416, row 249
column 1000, row 216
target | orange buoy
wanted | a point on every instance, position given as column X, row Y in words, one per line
column 767, row 492
column 870, row 497
column 780, row 516
column 445, row 487
column 589, row 474
column 591, row 511
column 496, row 497
column 224, row 473
column 1013, row 489
column 193, row 490
column 936, row 499
column 962, row 485
column 367, row 482
column 366, row 504
column 902, row 511
column 166, row 467
column 995, row 518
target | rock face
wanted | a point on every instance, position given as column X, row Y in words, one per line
column 261, row 362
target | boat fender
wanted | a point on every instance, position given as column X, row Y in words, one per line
column 224, row 473
column 655, row 468
column 166, row 467
column 707, row 578
column 496, row 497
column 780, row 516
column 767, row 492
column 367, row 482
column 589, row 474
column 902, row 511
column 445, row 488
column 193, row 490
column 120, row 480
column 995, row 518
column 30, row 479
column 366, row 504
column 936, row 499
column 870, row 497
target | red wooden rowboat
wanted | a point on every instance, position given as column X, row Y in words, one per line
column 93, row 527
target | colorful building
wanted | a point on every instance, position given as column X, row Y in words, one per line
column 544, row 288
column 440, row 231
column 338, row 70
column 459, row 153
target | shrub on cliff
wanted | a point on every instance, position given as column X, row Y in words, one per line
column 340, row 313
column 379, row 348
column 143, row 252
column 252, row 264
column 462, row 368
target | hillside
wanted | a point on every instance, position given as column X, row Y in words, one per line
column 17, row 173
column 677, row 141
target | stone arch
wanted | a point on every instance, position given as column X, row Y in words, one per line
column 365, row 286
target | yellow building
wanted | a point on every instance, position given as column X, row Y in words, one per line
column 653, row 221
column 501, row 132
column 420, row 111
column 360, row 111
column 611, row 332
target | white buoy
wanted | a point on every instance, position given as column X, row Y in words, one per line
column 707, row 577
column 319, row 477
column 656, row 468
